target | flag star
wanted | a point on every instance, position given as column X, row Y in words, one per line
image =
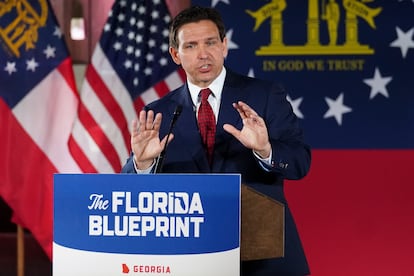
column 149, row 57
column 10, row 67
column 121, row 17
column 140, row 24
column 404, row 41
column 167, row 19
column 251, row 73
column 163, row 61
column 118, row 46
column 153, row 29
column 230, row 43
column 141, row 10
column 128, row 64
column 215, row 2
column 131, row 35
column 107, row 27
column 155, row 14
column 295, row 105
column 132, row 21
column 49, row 52
column 138, row 39
column 148, row 71
column 378, row 84
column 164, row 47
column 31, row 65
column 57, row 32
column 336, row 108
column 152, row 43
column 129, row 50
column 119, row 31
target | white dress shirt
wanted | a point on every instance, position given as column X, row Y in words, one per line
column 216, row 88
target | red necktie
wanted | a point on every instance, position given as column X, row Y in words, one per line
column 207, row 123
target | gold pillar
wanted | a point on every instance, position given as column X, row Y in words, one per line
column 313, row 23
column 351, row 25
column 276, row 36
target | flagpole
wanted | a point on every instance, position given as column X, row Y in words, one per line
column 20, row 251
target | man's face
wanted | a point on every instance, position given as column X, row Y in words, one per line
column 200, row 52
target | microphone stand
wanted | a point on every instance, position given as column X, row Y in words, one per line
column 160, row 160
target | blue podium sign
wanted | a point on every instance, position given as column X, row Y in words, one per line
column 164, row 224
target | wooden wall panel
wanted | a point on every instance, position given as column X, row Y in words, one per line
column 95, row 14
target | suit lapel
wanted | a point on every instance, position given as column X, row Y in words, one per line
column 232, row 92
column 187, row 131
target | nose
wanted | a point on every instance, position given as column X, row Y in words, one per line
column 202, row 52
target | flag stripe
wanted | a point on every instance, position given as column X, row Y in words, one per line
column 31, row 185
column 96, row 133
column 84, row 141
column 38, row 105
column 111, row 108
column 26, row 179
column 105, row 119
column 107, row 99
column 66, row 71
column 80, row 156
column 139, row 104
column 48, row 107
column 127, row 59
column 113, row 82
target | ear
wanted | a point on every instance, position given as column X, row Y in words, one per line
column 225, row 49
column 174, row 55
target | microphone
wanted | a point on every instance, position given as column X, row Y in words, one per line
column 160, row 160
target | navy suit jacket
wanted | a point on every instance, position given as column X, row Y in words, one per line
column 290, row 159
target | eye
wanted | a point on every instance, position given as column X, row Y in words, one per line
column 189, row 46
column 211, row 42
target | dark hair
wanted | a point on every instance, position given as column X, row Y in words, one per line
column 195, row 14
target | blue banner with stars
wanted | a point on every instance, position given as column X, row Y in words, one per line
column 346, row 65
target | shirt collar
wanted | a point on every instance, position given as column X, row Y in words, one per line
column 216, row 87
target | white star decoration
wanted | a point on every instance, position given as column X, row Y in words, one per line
column 404, row 41
column 378, row 84
column 31, row 65
column 230, row 43
column 251, row 73
column 10, row 67
column 215, row 2
column 58, row 32
column 49, row 52
column 295, row 105
column 107, row 27
column 336, row 108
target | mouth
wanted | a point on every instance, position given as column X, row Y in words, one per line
column 204, row 68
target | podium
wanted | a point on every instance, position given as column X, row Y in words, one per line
column 262, row 226
column 178, row 224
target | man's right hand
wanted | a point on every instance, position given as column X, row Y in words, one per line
column 145, row 141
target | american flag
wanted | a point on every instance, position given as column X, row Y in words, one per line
column 46, row 127
column 130, row 68
column 355, row 209
column 38, row 103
